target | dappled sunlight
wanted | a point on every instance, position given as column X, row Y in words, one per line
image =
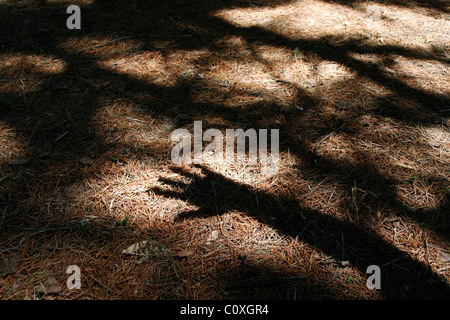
column 131, row 133
column 259, row 175
column 341, row 149
column 13, row 146
column 25, row 74
column 431, row 76
column 357, row 90
column 151, row 68
column 405, row 235
column 385, row 24
column 439, row 141
column 298, row 20
column 422, row 193
column 90, row 46
column 328, row 72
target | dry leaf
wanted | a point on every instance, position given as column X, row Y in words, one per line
column 18, row 162
column 44, row 153
column 49, row 286
column 46, row 149
column 212, row 237
column 86, row 160
column 242, row 258
column 135, row 247
column 445, row 257
column 11, row 265
column 345, row 263
column 185, row 253
column 60, row 86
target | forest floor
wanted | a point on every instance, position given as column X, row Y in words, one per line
column 359, row 91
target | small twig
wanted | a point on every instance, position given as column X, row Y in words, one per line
column 74, row 225
column 316, row 156
column 255, row 284
column 427, row 250
column 106, row 43
column 264, row 283
column 134, row 6
column 355, row 196
column 400, row 267
column 95, row 279
column 295, row 277
column 314, row 189
column 32, row 134
column 5, row 177
column 214, row 193
column 390, row 262
column 320, row 142
column 61, row 136
column 3, row 217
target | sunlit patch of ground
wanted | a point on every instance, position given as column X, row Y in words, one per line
column 85, row 138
